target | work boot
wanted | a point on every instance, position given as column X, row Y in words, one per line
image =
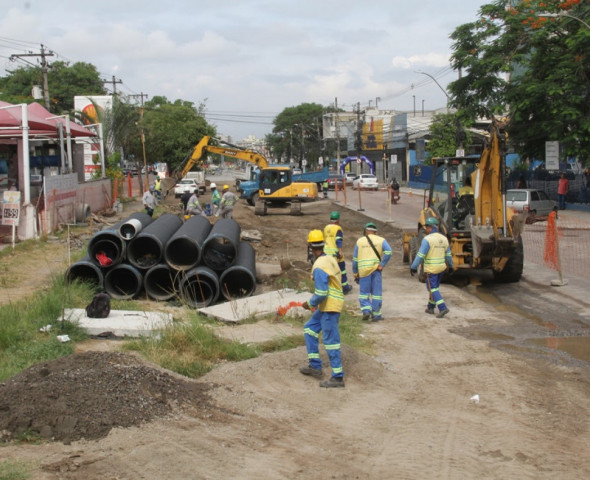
column 377, row 318
column 346, row 290
column 442, row 313
column 366, row 317
column 334, row 382
column 309, row 370
column 430, row 311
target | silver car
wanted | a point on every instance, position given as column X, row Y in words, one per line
column 534, row 204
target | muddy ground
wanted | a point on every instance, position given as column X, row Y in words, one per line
column 408, row 410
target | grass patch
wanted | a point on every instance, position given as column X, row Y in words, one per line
column 14, row 470
column 190, row 348
column 21, row 342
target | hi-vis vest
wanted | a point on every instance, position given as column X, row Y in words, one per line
column 335, row 298
column 330, row 233
column 366, row 258
column 434, row 261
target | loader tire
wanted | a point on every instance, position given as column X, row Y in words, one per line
column 414, row 247
column 513, row 270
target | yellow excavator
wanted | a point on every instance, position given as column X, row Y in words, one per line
column 274, row 185
column 483, row 233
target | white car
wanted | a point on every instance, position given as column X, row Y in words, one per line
column 350, row 176
column 184, row 185
column 365, row 181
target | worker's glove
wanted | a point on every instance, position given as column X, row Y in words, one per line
column 356, row 278
column 306, row 306
column 413, row 271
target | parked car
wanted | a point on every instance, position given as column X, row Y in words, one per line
column 535, row 205
column 350, row 176
column 335, row 179
column 184, row 185
column 365, row 181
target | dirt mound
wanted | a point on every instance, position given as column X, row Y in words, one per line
column 86, row 395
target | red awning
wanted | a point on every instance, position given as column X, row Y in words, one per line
column 12, row 117
column 75, row 129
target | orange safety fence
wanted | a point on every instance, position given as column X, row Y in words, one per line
column 561, row 242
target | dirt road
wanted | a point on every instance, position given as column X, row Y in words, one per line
column 407, row 412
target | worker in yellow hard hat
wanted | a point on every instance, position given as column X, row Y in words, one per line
column 328, row 301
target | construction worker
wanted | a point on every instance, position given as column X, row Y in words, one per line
column 371, row 254
column 327, row 300
column 333, row 236
column 436, row 255
column 325, row 187
column 215, row 198
column 194, row 207
column 466, row 189
column 226, row 205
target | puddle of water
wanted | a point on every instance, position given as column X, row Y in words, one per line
column 490, row 336
column 577, row 347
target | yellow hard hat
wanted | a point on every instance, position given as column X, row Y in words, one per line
column 316, row 238
column 226, row 187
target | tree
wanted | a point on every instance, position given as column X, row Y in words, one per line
column 447, row 133
column 172, row 129
column 298, row 134
column 64, row 81
column 532, row 68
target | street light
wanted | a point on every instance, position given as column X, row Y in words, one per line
column 435, row 81
column 561, row 14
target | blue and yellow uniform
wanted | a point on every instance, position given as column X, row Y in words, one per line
column 367, row 265
column 334, row 242
column 329, row 300
column 435, row 254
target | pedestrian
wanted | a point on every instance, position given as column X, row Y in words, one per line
column 435, row 253
column 394, row 190
column 194, row 207
column 325, row 188
column 185, row 198
column 562, row 189
column 226, row 205
column 371, row 254
column 333, row 246
column 158, row 188
column 327, row 300
column 587, row 178
column 149, row 201
column 521, row 182
column 215, row 198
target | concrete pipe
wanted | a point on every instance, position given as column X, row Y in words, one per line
column 220, row 249
column 123, row 282
column 85, row 271
column 199, row 287
column 160, row 282
column 239, row 280
column 147, row 248
column 183, row 250
column 133, row 225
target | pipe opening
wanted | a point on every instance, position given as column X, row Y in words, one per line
column 85, row 271
column 159, row 282
column 237, row 282
column 182, row 253
column 219, row 253
column 123, row 282
column 109, row 247
column 144, row 252
column 200, row 287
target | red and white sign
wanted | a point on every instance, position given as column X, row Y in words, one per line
column 11, row 208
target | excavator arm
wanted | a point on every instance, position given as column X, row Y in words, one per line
column 202, row 148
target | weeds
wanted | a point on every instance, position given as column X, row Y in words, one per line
column 14, row 470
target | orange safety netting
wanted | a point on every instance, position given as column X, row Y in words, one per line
column 552, row 234
column 282, row 310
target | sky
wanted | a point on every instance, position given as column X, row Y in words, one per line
column 248, row 60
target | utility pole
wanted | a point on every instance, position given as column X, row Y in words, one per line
column 140, row 95
column 114, row 82
column 44, row 69
column 337, row 135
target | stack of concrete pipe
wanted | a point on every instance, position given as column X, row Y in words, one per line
column 194, row 261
